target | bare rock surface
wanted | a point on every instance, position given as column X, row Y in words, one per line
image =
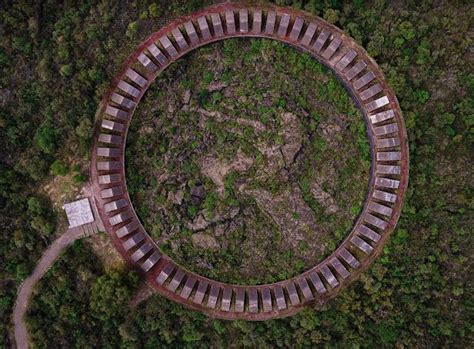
column 176, row 197
column 217, row 169
column 205, row 241
column 292, row 137
column 323, row 198
column 199, row 223
column 289, row 211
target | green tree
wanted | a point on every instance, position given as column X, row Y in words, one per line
column 110, row 292
column 59, row 168
column 46, row 137
column 36, row 206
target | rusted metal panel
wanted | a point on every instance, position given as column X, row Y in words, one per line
column 370, row 92
column 120, row 217
column 387, row 183
column 309, row 34
column 127, row 229
column 292, row 293
column 280, row 297
column 165, row 273
column 349, row 258
column 226, row 298
column 296, row 29
column 133, row 241
column 270, row 24
column 304, row 287
column 329, row 276
column 375, row 221
column 151, row 261
column 355, row 70
column 266, row 299
column 188, row 287
column 109, row 152
column 141, row 252
column 243, row 21
column 346, row 59
column 213, row 296
column 332, row 48
column 191, row 32
column 368, row 233
column 384, row 196
column 157, row 54
column 176, row 280
column 239, row 300
column 135, row 77
column 201, row 291
column 128, row 89
column 179, row 38
column 253, row 300
column 109, row 179
column 122, row 101
column 321, row 40
column 386, row 129
column 204, row 28
column 284, row 24
column 111, row 192
column 364, row 80
column 147, row 63
column 361, row 244
column 257, row 22
column 339, row 267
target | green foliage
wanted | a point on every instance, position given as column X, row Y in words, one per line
column 210, row 202
column 331, row 15
column 153, row 10
column 46, row 138
column 79, row 178
column 132, row 29
column 109, row 293
column 422, row 96
column 43, row 225
column 66, row 70
column 36, row 206
column 41, row 215
column 59, row 168
column 86, row 302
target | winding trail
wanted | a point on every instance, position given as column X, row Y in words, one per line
column 26, row 288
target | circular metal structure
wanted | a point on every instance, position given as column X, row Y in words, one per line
column 355, row 70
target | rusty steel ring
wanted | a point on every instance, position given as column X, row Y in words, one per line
column 388, row 175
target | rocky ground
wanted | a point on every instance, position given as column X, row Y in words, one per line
column 244, row 171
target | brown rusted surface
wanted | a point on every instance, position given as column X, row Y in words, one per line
column 333, row 49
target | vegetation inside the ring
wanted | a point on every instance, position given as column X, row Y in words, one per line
column 247, row 161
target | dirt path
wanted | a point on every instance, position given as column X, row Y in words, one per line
column 26, row 288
